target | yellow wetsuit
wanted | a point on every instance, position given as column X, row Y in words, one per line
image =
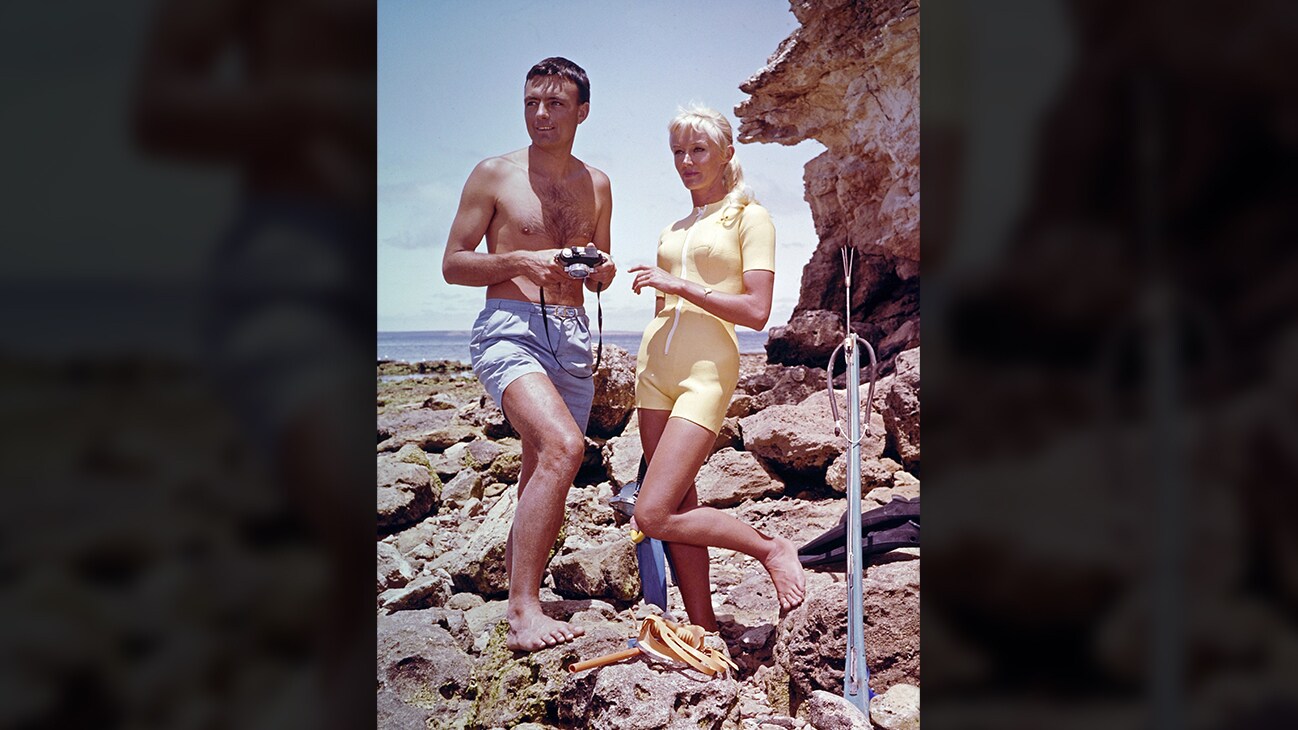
column 689, row 359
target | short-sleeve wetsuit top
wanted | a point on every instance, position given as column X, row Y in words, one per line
column 689, row 359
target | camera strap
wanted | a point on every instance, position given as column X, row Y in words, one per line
column 599, row 353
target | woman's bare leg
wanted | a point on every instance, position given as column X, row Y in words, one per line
column 659, row 511
column 693, row 576
column 691, row 561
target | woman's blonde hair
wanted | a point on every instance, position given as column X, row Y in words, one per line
column 714, row 125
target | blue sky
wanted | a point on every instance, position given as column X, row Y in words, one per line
column 450, row 82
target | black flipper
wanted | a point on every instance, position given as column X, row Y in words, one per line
column 898, row 511
column 875, row 542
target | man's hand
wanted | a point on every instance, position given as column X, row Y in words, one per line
column 541, row 268
column 602, row 275
column 654, row 278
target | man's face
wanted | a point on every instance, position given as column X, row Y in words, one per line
column 552, row 110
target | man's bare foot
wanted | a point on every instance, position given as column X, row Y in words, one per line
column 534, row 630
column 786, row 573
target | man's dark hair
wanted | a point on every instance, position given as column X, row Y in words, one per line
column 563, row 68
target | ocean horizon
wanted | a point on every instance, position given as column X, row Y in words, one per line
column 428, row 345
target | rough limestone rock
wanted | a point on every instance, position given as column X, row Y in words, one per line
column 444, row 466
column 393, row 714
column 397, row 428
column 896, row 709
column 440, row 465
column 480, row 565
column 904, row 484
column 741, row 404
column 441, row 402
column 588, row 514
column 904, row 336
column 730, row 477
column 506, row 467
column 830, row 711
column 800, row 438
column 876, row 473
column 849, row 78
column 607, row 570
column 394, row 571
column 486, row 416
column 778, row 385
column 426, row 591
column 622, row 458
column 427, row 429
column 615, row 384
column 464, row 486
column 406, row 493
column 808, row 339
column 752, row 601
column 729, row 436
column 412, row 454
column 792, row 439
column 464, row 601
column 421, row 663
column 479, row 453
column 419, row 543
column 810, row 642
column 514, row 688
column 901, row 416
column 641, row 694
column 875, row 441
column 798, row 520
column 484, row 617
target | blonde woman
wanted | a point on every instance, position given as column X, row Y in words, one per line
column 715, row 270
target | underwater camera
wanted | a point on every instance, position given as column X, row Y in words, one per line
column 578, row 262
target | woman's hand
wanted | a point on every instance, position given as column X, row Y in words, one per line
column 654, row 278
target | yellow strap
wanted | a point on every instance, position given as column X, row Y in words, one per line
column 683, row 643
column 669, row 642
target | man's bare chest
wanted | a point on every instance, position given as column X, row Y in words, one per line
column 547, row 215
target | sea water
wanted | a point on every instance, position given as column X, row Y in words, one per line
column 454, row 345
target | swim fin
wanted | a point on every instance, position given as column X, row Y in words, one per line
column 649, row 555
column 876, row 542
column 652, row 558
column 885, row 528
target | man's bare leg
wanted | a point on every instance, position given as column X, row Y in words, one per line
column 553, row 447
column 524, row 474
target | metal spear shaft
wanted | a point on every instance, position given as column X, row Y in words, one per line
column 856, row 678
column 856, row 675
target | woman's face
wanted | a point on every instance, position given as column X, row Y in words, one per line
column 700, row 163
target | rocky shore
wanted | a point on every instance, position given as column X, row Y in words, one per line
column 848, row 77
column 447, row 466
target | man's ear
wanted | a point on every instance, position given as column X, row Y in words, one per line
column 583, row 111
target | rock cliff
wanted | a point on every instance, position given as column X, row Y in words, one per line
column 849, row 78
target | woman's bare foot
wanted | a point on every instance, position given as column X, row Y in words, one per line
column 532, row 630
column 786, row 573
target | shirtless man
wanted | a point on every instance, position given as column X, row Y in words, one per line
column 529, row 204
